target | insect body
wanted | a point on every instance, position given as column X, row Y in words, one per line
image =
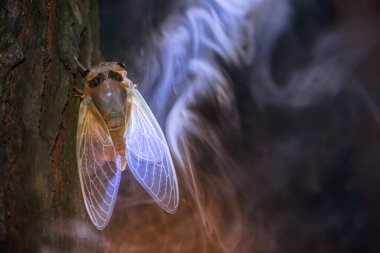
column 116, row 129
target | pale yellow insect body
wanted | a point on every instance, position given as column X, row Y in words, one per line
column 116, row 129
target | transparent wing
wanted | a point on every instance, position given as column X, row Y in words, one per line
column 148, row 155
column 99, row 171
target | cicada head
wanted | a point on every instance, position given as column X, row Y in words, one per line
column 106, row 85
column 114, row 72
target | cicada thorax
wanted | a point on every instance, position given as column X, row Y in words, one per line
column 106, row 85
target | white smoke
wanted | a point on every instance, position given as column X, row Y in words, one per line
column 265, row 142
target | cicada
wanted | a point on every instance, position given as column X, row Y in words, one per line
column 116, row 130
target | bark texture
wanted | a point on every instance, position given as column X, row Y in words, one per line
column 39, row 187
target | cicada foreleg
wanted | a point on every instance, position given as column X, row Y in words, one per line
column 79, row 93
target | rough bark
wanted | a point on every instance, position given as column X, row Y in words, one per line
column 39, row 187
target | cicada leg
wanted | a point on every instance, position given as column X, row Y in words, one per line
column 129, row 84
column 79, row 93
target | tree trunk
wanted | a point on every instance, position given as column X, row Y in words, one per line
column 39, row 186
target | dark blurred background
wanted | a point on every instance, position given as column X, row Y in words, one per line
column 272, row 112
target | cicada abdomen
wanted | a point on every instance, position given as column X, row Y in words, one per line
column 116, row 129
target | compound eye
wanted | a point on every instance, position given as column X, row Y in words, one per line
column 121, row 65
column 94, row 82
column 115, row 76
